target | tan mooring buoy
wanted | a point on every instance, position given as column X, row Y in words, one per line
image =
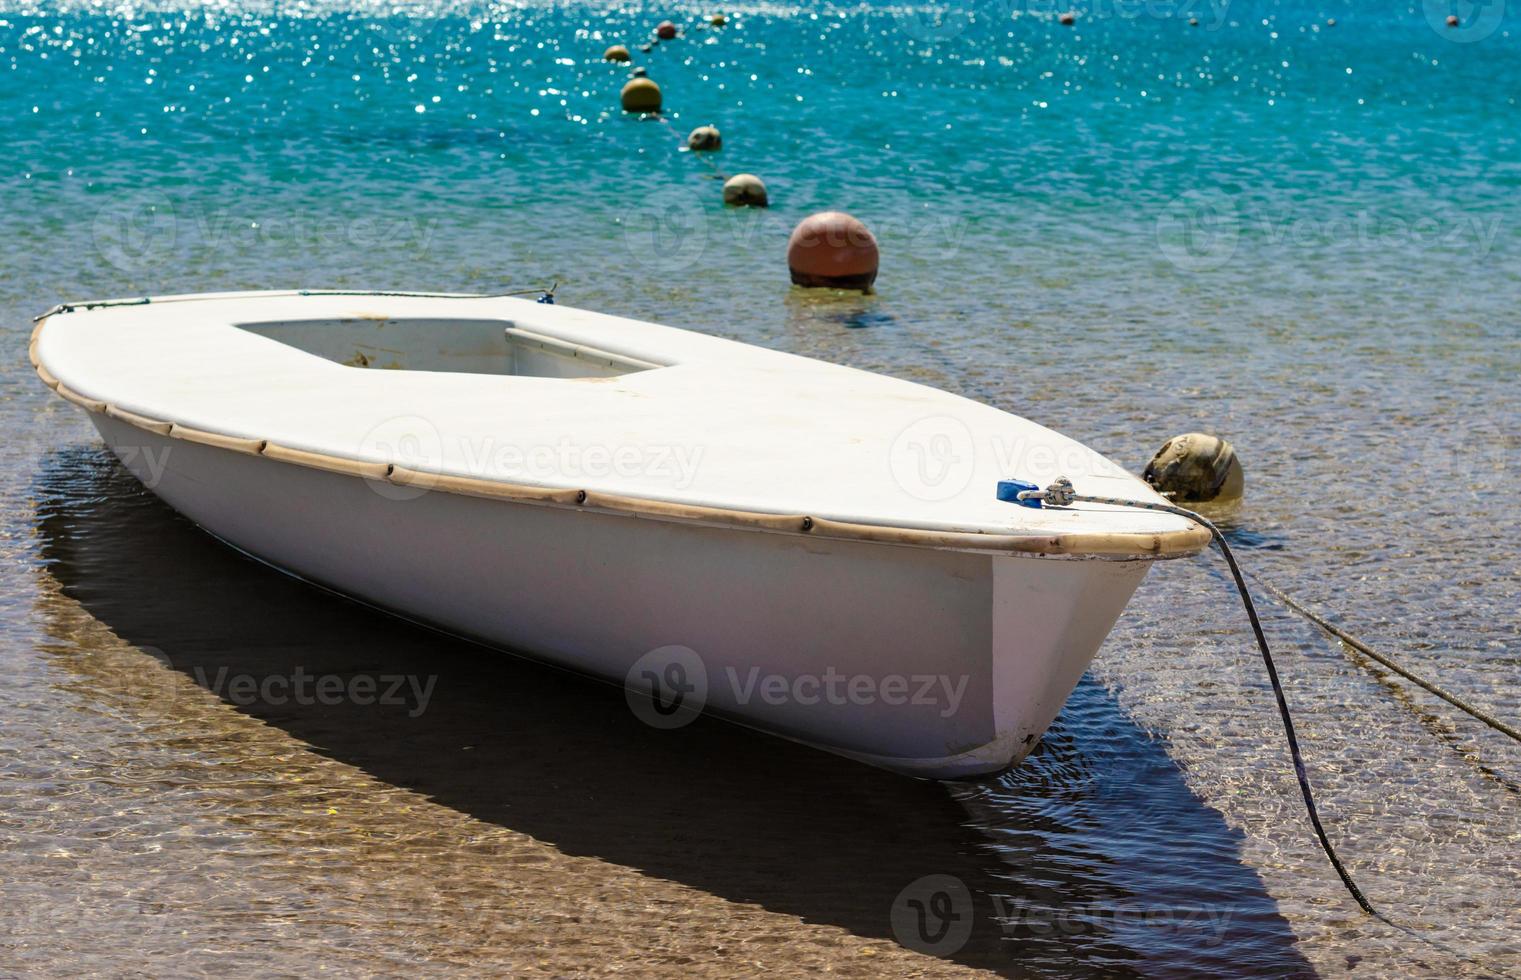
column 665, row 30
column 718, row 20
column 832, row 249
column 639, row 71
column 1068, row 19
column 640, row 95
column 745, row 191
column 705, row 138
column 616, row 53
column 1452, row 20
column 1196, row 467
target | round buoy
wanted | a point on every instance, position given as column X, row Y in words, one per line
column 640, row 71
column 1196, row 467
column 832, row 249
column 718, row 20
column 1193, row 22
column 745, row 191
column 1452, row 20
column 616, row 53
column 1068, row 18
column 1330, row 21
column 646, row 48
column 705, row 138
column 640, row 95
column 665, row 30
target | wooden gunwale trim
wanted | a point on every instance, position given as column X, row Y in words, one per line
column 37, row 365
column 70, row 395
column 140, row 421
column 249, row 447
column 1117, row 545
column 322, row 461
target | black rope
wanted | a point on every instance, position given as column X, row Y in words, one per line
column 1061, row 493
column 1283, row 711
column 145, row 300
column 91, row 305
column 378, row 292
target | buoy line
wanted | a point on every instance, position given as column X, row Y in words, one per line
column 701, row 155
column 642, row 94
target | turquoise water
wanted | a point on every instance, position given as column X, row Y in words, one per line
column 1302, row 236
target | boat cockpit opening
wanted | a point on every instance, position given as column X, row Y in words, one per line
column 464, row 346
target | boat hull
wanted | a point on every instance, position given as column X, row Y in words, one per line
column 936, row 663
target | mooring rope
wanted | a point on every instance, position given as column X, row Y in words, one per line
column 1389, row 662
column 1062, row 494
column 546, row 296
column 378, row 292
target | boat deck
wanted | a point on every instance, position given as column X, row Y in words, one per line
column 475, row 393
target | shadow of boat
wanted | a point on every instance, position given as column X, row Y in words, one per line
column 747, row 817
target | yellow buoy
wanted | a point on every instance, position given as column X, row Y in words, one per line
column 745, row 191
column 1196, row 467
column 705, row 138
column 640, row 95
column 616, row 53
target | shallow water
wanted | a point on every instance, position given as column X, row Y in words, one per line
column 1303, row 237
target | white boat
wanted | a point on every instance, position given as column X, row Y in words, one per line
column 808, row 549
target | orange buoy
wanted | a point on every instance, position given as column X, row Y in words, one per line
column 665, row 30
column 640, row 95
column 745, row 191
column 832, row 249
column 616, row 53
column 705, row 138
